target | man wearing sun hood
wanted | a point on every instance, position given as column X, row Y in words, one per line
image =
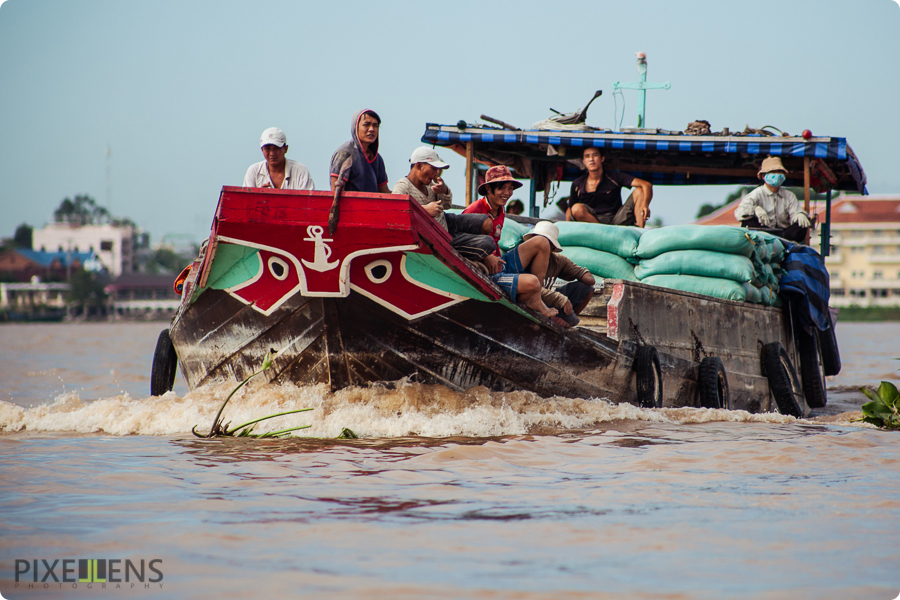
column 364, row 171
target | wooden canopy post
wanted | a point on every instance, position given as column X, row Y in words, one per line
column 806, row 191
column 470, row 157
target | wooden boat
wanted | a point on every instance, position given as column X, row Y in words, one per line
column 386, row 298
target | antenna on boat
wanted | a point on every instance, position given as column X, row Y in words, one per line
column 641, row 86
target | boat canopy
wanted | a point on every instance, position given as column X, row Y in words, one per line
column 669, row 158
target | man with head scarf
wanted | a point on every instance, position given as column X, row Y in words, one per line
column 357, row 162
column 772, row 206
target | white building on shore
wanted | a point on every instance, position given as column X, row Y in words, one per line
column 114, row 245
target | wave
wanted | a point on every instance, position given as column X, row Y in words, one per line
column 398, row 410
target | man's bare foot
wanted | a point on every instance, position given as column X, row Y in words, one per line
column 546, row 310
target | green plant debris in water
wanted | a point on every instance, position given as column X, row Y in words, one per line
column 219, row 429
column 884, row 408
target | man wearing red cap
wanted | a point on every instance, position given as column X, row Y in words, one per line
column 522, row 270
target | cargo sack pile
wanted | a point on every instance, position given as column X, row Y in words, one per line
column 725, row 262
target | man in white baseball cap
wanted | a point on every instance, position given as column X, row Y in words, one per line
column 424, row 184
column 276, row 171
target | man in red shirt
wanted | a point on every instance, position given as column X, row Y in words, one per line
column 522, row 270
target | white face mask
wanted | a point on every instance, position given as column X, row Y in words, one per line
column 774, row 179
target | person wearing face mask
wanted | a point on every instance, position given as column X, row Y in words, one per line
column 771, row 206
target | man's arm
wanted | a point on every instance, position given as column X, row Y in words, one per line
column 642, row 204
column 383, row 188
column 556, row 300
column 250, row 177
column 745, row 209
column 588, row 278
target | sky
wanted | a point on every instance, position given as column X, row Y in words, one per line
column 152, row 107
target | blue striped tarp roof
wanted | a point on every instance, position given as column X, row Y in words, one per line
column 681, row 154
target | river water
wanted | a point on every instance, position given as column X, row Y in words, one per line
column 446, row 495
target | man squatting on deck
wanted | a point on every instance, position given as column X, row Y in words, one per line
column 276, row 171
column 596, row 196
column 770, row 205
column 367, row 173
column 570, row 298
column 470, row 233
column 523, row 269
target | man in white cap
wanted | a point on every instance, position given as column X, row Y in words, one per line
column 276, row 171
column 771, row 206
column 569, row 299
column 424, row 184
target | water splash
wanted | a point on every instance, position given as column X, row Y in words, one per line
column 402, row 409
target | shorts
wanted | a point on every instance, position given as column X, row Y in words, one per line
column 623, row 216
column 508, row 278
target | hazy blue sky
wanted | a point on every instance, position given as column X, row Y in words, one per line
column 180, row 90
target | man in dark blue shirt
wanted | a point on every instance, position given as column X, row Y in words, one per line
column 596, row 196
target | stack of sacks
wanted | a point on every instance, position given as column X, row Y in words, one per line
column 720, row 261
column 604, row 250
column 511, row 234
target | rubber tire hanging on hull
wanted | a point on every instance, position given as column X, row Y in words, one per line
column 812, row 372
column 782, row 380
column 648, row 377
column 712, row 384
column 165, row 365
column 831, row 356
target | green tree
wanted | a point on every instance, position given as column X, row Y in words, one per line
column 86, row 294
column 83, row 210
column 23, row 236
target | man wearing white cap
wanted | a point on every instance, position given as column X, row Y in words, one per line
column 424, row 184
column 569, row 299
column 277, row 171
column 772, row 206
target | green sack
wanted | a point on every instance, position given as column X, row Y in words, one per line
column 703, row 263
column 615, row 239
column 511, row 234
column 718, row 238
column 769, row 248
column 725, row 289
column 601, row 264
column 770, row 296
column 753, row 293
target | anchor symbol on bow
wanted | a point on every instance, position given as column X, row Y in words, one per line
column 322, row 250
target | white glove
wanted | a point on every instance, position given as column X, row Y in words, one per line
column 762, row 216
column 801, row 219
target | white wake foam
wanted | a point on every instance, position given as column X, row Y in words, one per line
column 402, row 410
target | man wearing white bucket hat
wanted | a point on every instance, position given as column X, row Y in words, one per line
column 569, row 299
column 772, row 206
column 276, row 171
